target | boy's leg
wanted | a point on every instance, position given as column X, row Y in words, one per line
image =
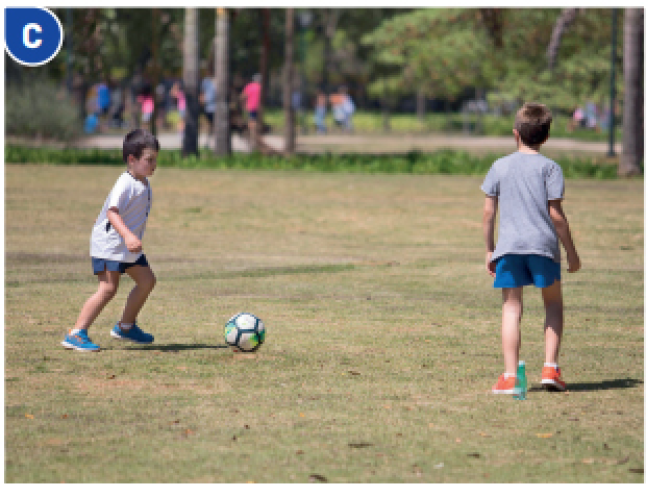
column 144, row 283
column 552, row 296
column 511, row 335
column 108, row 285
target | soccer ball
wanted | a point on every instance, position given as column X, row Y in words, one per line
column 244, row 332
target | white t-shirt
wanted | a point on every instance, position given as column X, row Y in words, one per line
column 133, row 199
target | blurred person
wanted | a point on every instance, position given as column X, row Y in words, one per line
column 160, row 102
column 177, row 93
column 103, row 98
column 92, row 100
column 343, row 109
column 117, row 105
column 145, row 100
column 116, row 246
column 591, row 115
column 208, row 99
column 578, row 119
column 320, row 112
column 349, row 108
column 251, row 97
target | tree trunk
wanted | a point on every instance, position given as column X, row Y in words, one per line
column 155, row 14
column 633, row 103
column 263, row 67
column 565, row 19
column 330, row 24
column 221, row 116
column 289, row 111
column 191, row 79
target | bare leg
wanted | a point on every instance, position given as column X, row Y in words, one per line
column 511, row 335
column 144, row 284
column 254, row 142
column 108, row 285
column 552, row 296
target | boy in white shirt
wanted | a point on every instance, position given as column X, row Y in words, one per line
column 116, row 246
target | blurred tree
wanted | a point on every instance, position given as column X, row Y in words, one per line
column 264, row 68
column 155, row 69
column 583, row 72
column 221, row 117
column 330, row 19
column 446, row 52
column 566, row 18
column 633, row 103
column 438, row 52
column 191, row 79
column 289, row 110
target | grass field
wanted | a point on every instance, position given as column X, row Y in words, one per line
column 383, row 335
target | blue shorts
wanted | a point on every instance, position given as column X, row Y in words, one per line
column 99, row 264
column 252, row 114
column 516, row 270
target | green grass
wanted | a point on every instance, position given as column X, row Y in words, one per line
column 383, row 335
column 447, row 162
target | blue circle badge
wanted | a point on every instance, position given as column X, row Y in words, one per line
column 33, row 36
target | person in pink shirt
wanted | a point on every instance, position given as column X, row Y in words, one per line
column 145, row 99
column 251, row 96
column 178, row 94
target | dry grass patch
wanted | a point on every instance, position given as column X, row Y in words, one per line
column 383, row 336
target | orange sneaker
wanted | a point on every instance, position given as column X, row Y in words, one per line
column 505, row 385
column 551, row 379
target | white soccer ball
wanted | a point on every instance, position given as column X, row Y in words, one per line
column 244, row 332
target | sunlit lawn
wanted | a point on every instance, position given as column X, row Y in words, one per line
column 383, row 336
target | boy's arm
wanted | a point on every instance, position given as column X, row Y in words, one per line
column 488, row 225
column 133, row 244
column 562, row 229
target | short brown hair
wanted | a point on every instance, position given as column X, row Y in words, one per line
column 533, row 122
column 136, row 141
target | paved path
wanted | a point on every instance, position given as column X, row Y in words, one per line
column 370, row 143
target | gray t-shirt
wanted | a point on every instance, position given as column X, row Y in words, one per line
column 524, row 184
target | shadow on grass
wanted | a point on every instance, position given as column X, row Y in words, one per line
column 176, row 347
column 602, row 385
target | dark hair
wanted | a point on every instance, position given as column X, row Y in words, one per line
column 136, row 141
column 533, row 122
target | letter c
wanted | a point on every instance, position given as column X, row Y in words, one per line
column 26, row 41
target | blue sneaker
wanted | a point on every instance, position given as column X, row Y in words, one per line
column 134, row 334
column 79, row 341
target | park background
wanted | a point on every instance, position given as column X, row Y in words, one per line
column 360, row 248
column 430, row 74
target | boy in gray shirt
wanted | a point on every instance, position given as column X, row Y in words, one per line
column 528, row 188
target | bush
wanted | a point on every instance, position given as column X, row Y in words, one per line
column 37, row 109
column 440, row 162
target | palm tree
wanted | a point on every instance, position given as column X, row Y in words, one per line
column 633, row 103
column 221, row 117
column 289, row 111
column 191, row 79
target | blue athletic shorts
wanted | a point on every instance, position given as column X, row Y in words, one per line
column 99, row 265
column 516, row 270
